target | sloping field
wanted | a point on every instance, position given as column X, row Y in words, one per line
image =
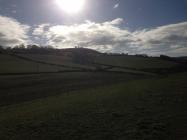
column 36, row 63
column 11, row 64
column 20, row 88
column 134, row 62
column 55, row 59
column 152, row 109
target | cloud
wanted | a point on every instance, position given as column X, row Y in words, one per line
column 12, row 32
column 40, row 29
column 110, row 37
column 116, row 21
column 164, row 39
column 116, row 6
column 100, row 36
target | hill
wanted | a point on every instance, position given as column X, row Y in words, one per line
column 71, row 94
column 77, row 59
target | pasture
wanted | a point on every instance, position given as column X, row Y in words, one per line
column 48, row 97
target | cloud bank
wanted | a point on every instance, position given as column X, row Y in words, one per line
column 169, row 39
column 109, row 36
column 12, row 32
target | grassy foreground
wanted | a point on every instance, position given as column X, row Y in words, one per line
column 151, row 109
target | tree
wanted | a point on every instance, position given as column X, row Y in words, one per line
column 1, row 49
column 165, row 57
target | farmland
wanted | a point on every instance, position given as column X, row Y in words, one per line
column 52, row 96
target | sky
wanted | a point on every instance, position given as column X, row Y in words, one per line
column 153, row 27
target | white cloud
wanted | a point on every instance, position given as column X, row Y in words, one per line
column 109, row 36
column 40, row 29
column 163, row 39
column 116, row 6
column 106, row 36
column 12, row 32
column 116, row 21
column 101, row 36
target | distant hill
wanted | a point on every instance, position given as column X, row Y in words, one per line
column 35, row 59
column 45, row 50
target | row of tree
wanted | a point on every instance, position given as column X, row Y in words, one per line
column 77, row 51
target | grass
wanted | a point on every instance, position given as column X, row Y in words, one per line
column 40, row 63
column 10, row 64
column 152, row 109
column 55, row 59
column 133, row 105
column 19, row 88
column 134, row 62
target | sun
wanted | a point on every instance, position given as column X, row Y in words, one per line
column 71, row 6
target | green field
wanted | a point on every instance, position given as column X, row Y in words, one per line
column 140, row 109
column 11, row 64
column 55, row 59
column 19, row 88
column 37, row 63
column 53, row 97
column 134, row 61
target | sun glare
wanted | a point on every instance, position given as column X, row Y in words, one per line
column 71, row 6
